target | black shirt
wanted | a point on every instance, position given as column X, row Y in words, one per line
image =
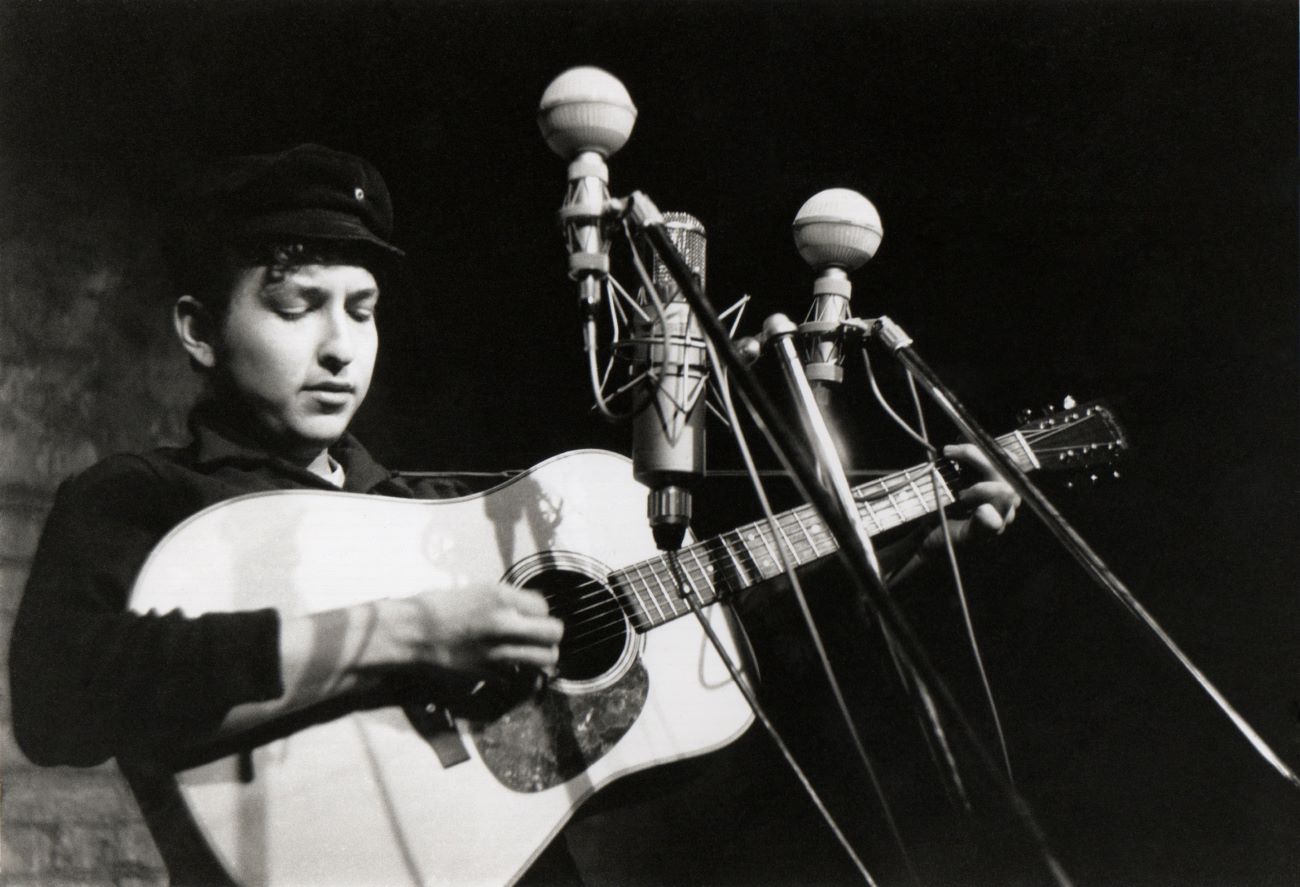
column 91, row 680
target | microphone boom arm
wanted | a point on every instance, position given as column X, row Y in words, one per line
column 646, row 218
column 780, row 334
column 900, row 345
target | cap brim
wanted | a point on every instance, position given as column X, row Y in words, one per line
column 318, row 224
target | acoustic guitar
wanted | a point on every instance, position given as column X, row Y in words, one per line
column 415, row 794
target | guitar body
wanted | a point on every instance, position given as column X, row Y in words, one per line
column 366, row 798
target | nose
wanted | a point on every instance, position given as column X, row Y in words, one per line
column 338, row 342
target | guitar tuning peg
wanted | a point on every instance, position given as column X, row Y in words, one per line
column 1069, row 403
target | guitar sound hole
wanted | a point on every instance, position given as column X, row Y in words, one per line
column 595, row 629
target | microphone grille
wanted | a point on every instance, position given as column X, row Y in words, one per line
column 687, row 234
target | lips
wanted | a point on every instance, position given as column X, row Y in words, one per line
column 331, row 397
column 331, row 387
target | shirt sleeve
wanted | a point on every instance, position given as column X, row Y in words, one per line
column 90, row 680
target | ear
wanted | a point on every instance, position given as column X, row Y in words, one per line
column 196, row 328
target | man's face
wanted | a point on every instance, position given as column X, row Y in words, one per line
column 299, row 351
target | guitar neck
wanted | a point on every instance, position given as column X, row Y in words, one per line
column 750, row 554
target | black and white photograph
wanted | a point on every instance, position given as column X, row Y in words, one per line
column 622, row 442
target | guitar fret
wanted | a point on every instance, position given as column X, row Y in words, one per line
column 871, row 514
column 818, row 529
column 672, row 594
column 903, row 495
column 724, row 580
column 667, row 581
column 698, row 582
column 943, row 493
column 894, row 504
column 794, row 555
column 736, row 577
column 912, row 497
column 920, row 484
column 655, row 591
column 704, row 580
column 750, row 562
column 920, row 494
column 661, row 591
column 813, row 552
column 645, row 610
column 740, row 569
column 804, row 530
column 1027, row 461
column 772, row 559
column 625, row 591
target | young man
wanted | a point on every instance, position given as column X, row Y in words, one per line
column 282, row 275
column 281, row 272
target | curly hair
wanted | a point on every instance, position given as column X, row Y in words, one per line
column 210, row 275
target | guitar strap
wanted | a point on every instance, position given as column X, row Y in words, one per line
column 438, row 728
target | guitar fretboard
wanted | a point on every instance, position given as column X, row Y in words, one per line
column 748, row 555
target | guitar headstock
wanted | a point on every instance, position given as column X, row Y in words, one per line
column 1076, row 436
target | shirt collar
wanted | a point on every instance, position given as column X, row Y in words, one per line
column 222, row 436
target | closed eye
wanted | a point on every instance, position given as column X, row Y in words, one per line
column 362, row 305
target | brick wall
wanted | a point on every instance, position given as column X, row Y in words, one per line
column 88, row 366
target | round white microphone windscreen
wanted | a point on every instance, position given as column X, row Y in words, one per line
column 837, row 227
column 586, row 109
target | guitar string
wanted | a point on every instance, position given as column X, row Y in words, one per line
column 605, row 599
column 606, row 607
column 594, row 632
column 892, row 484
column 709, row 549
column 900, row 487
column 791, row 527
column 709, row 553
column 610, row 619
column 900, row 483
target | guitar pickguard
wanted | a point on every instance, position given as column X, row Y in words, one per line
column 553, row 736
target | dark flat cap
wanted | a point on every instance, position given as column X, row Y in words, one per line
column 307, row 192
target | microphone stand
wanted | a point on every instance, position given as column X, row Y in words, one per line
column 646, row 218
column 780, row 331
column 900, row 345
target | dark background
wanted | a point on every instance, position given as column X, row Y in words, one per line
column 1096, row 199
